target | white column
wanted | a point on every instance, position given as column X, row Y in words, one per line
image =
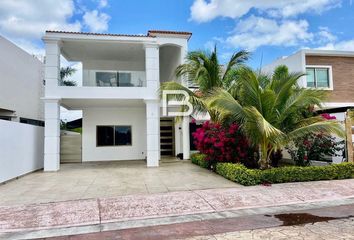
column 152, row 132
column 178, row 138
column 52, row 65
column 152, row 70
column 185, row 137
column 52, row 135
column 152, row 104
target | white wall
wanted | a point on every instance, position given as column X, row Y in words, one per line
column 21, row 77
column 135, row 117
column 21, row 149
column 170, row 59
column 295, row 63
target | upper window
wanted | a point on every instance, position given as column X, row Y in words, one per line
column 114, row 136
column 318, row 77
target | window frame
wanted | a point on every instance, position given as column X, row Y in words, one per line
column 114, row 135
column 330, row 76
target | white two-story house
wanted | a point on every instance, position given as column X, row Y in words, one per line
column 119, row 95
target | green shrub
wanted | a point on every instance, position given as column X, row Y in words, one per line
column 199, row 159
column 240, row 174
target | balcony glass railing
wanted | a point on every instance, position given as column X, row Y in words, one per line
column 98, row 78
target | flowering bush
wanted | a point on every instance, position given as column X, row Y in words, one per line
column 316, row 146
column 221, row 144
column 328, row 116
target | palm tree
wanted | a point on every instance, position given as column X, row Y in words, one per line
column 271, row 111
column 66, row 72
column 203, row 70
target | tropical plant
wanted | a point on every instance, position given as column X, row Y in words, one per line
column 66, row 72
column 271, row 111
column 203, row 70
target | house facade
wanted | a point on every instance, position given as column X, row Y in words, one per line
column 118, row 95
column 21, row 79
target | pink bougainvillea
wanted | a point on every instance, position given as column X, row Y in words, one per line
column 328, row 116
column 221, row 144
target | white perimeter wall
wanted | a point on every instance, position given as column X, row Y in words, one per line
column 134, row 116
column 21, row 149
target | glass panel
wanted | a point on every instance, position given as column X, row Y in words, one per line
column 105, row 135
column 310, row 77
column 322, row 78
column 125, row 79
column 106, row 79
column 123, row 135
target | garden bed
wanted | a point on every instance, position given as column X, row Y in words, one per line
column 240, row 174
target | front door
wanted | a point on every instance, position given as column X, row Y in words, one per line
column 167, row 137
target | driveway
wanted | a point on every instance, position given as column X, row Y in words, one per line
column 108, row 179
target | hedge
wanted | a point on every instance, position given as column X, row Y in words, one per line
column 199, row 159
column 248, row 177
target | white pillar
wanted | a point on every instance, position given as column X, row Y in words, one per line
column 152, row 104
column 152, row 132
column 178, row 138
column 185, row 137
column 52, row 135
column 152, row 68
column 52, row 65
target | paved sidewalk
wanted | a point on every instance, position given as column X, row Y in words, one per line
column 310, row 224
column 102, row 211
column 331, row 230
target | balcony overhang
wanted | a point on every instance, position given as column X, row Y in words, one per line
column 79, row 104
column 74, row 50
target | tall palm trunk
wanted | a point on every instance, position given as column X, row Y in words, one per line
column 263, row 156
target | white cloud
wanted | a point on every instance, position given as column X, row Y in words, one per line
column 347, row 45
column 324, row 35
column 96, row 21
column 254, row 32
column 29, row 19
column 204, row 11
column 102, row 3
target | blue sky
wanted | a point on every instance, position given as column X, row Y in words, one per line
column 268, row 28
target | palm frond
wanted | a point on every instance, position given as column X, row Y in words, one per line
column 326, row 126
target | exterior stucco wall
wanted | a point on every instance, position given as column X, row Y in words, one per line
column 21, row 149
column 134, row 117
column 21, row 80
column 295, row 63
column 170, row 59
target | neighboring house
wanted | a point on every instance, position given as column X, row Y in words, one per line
column 119, row 95
column 329, row 70
column 21, row 85
column 325, row 69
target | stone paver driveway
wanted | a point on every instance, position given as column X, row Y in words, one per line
column 109, row 179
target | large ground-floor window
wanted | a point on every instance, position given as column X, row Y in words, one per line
column 113, row 136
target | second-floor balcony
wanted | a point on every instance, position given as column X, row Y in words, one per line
column 109, row 66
